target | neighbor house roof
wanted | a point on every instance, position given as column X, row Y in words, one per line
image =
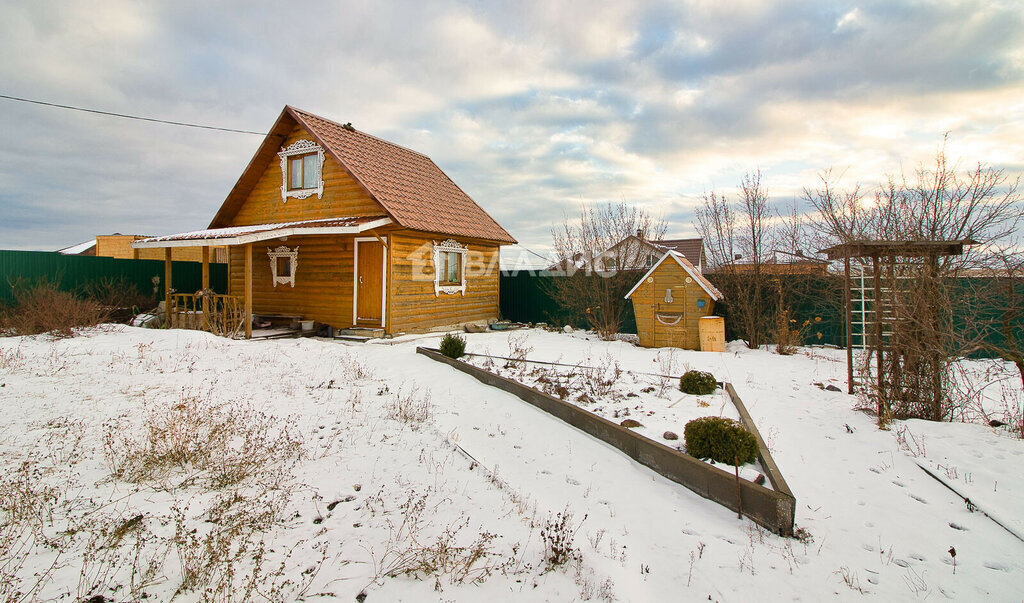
column 411, row 188
column 80, row 249
column 692, row 249
column 695, row 274
column 239, row 235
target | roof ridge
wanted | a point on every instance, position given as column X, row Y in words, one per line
column 368, row 135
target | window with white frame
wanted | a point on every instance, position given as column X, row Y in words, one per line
column 449, row 268
column 284, row 262
column 302, row 164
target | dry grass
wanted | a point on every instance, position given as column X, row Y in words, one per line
column 216, row 444
column 409, row 551
column 410, row 407
column 25, row 509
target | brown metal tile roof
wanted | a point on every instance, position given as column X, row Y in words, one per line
column 692, row 249
column 410, row 187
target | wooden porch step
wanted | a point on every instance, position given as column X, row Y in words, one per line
column 359, row 333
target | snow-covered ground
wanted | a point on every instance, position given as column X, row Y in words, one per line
column 381, row 460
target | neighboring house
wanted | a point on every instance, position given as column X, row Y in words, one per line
column 333, row 225
column 636, row 253
column 86, row 248
column 669, row 301
column 781, row 263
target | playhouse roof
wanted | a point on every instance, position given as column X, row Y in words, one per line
column 695, row 274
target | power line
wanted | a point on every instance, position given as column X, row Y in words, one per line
column 111, row 114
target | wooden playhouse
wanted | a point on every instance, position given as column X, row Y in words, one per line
column 669, row 302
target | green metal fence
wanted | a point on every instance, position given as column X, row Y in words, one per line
column 819, row 301
column 75, row 272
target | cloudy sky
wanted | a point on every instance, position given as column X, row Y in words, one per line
column 532, row 107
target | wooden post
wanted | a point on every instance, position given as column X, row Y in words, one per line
column 206, row 286
column 167, row 286
column 882, row 404
column 248, row 290
column 849, row 326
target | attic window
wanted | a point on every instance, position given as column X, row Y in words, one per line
column 449, row 268
column 283, row 264
column 302, row 165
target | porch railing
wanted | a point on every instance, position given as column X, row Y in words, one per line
column 207, row 311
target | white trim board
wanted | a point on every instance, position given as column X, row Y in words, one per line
column 264, row 235
column 678, row 257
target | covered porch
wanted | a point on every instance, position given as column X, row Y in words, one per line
column 232, row 314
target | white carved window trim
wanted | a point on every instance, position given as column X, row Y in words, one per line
column 449, row 245
column 283, row 252
column 301, row 147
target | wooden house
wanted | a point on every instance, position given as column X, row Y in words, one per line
column 333, row 225
column 669, row 301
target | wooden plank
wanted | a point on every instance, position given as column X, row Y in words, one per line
column 206, row 287
column 167, row 285
column 248, row 291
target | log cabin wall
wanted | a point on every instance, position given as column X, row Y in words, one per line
column 323, row 279
column 342, row 196
column 649, row 300
column 412, row 304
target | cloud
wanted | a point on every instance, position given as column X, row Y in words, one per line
column 532, row 107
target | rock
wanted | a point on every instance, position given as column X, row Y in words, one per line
column 832, row 388
column 759, row 480
column 630, row 423
column 670, row 435
column 567, row 329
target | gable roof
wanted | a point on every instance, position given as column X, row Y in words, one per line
column 695, row 274
column 413, row 191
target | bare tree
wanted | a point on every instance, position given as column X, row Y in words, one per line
column 738, row 243
column 600, row 254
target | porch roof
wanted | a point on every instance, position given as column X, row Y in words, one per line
column 240, row 235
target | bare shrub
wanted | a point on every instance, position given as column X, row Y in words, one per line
column 410, row 407
column 118, row 296
column 518, row 350
column 558, row 536
column 41, row 307
column 667, row 366
column 218, row 444
column 599, row 378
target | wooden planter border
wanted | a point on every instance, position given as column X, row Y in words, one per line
column 772, row 509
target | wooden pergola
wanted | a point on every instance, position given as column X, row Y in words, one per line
column 877, row 250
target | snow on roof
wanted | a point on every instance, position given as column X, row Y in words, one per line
column 78, row 249
column 236, row 235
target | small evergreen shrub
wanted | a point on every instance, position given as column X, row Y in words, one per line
column 720, row 439
column 697, row 382
column 453, row 346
